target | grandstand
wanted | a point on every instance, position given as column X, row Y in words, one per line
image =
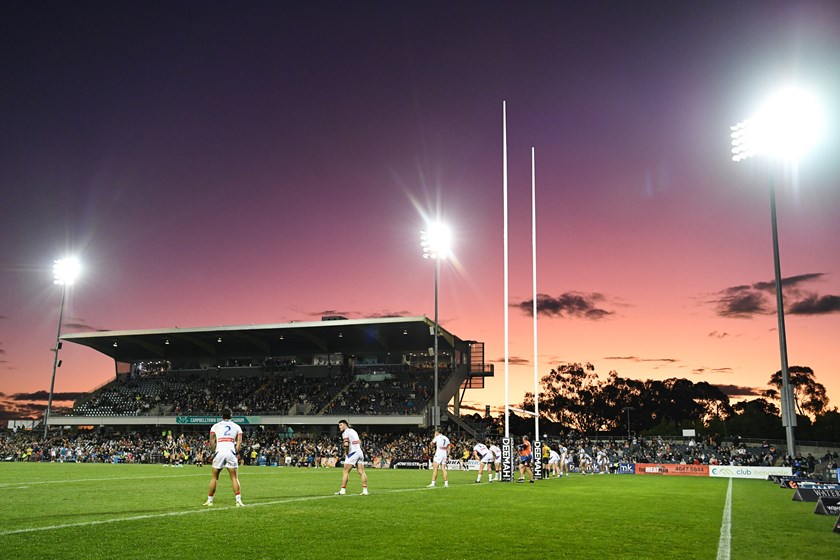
column 375, row 372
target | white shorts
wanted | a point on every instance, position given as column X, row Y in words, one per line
column 487, row 459
column 225, row 459
column 554, row 461
column 354, row 458
column 440, row 458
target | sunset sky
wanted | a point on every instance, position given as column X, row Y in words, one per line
column 218, row 164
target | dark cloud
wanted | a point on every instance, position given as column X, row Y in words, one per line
column 759, row 298
column 814, row 304
column 790, row 282
column 743, row 301
column 389, row 314
column 12, row 410
column 513, row 360
column 570, row 304
column 330, row 312
column 79, row 324
column 43, row 396
column 739, row 391
column 716, row 334
column 82, row 327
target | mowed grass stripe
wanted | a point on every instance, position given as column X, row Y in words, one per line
column 202, row 509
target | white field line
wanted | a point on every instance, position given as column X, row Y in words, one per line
column 197, row 511
column 726, row 527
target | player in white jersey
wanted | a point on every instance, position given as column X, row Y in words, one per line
column 440, row 447
column 554, row 463
column 354, row 456
column 564, row 460
column 497, row 460
column 602, row 461
column 584, row 461
column 485, row 461
column 225, row 441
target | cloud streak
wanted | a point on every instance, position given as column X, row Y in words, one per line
column 739, row 391
column 512, row 360
column 641, row 360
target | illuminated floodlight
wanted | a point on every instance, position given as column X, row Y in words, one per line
column 787, row 126
column 65, row 271
column 436, row 241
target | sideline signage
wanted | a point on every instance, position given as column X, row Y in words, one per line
column 626, row 468
column 733, row 471
column 214, row 419
column 507, row 459
column 453, row 465
column 668, row 469
column 820, row 485
column 409, row 463
column 814, row 494
column 828, row 506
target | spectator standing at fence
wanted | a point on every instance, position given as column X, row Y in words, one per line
column 354, row 456
column 225, row 442
column 440, row 446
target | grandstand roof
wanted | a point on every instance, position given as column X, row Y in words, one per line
column 329, row 335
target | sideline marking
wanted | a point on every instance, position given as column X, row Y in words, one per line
column 726, row 527
column 202, row 510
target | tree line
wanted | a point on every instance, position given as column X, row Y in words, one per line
column 575, row 397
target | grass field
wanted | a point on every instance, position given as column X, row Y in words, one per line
column 148, row 511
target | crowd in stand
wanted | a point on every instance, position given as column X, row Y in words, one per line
column 272, row 448
column 391, row 396
column 260, row 447
column 268, row 394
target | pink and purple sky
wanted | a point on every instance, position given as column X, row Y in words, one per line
column 214, row 164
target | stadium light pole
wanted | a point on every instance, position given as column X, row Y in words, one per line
column 435, row 241
column 782, row 130
column 65, row 272
column 627, row 409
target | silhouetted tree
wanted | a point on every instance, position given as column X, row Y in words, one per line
column 809, row 395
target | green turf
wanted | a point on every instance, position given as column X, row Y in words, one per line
column 146, row 511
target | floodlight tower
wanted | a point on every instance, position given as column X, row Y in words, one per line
column 65, row 272
column 435, row 241
column 782, row 130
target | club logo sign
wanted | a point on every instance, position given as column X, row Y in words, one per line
column 507, row 459
column 537, row 460
column 626, row 468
